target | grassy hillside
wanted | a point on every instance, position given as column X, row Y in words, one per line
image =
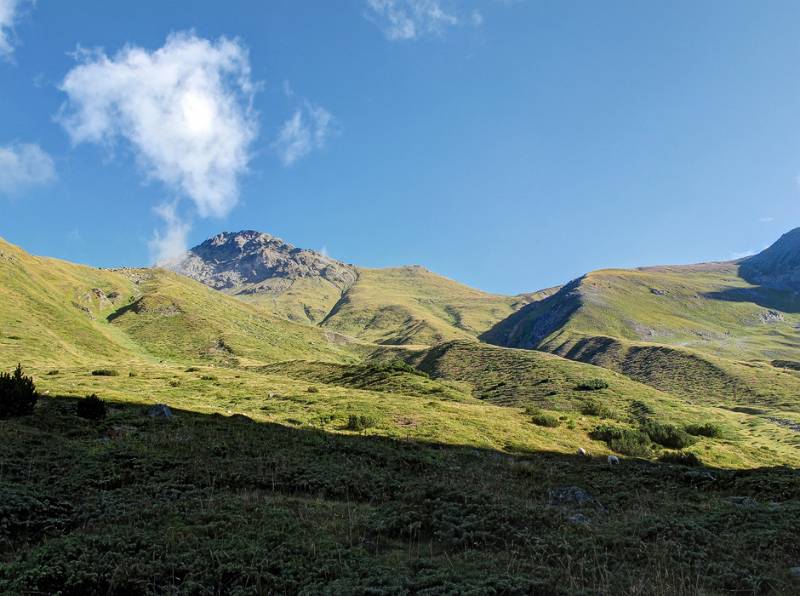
column 700, row 331
column 177, row 318
column 305, row 300
column 411, row 305
column 66, row 315
column 51, row 310
column 225, row 505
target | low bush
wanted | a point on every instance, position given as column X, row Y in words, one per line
column 681, row 458
column 192, row 369
column 91, row 407
column 105, row 372
column 624, row 440
column 132, row 374
column 641, row 410
column 545, row 419
column 595, row 408
column 360, row 423
column 53, row 372
column 208, row 378
column 592, row 385
column 708, row 429
column 312, row 390
column 667, row 435
column 17, row 394
column 174, row 383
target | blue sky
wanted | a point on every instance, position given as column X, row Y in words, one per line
column 511, row 145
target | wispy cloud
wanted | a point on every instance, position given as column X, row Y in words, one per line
column 9, row 15
column 172, row 242
column 309, row 128
column 23, row 166
column 766, row 219
column 410, row 19
column 184, row 109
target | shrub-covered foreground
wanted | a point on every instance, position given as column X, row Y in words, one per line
column 199, row 504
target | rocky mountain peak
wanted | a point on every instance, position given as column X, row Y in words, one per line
column 242, row 260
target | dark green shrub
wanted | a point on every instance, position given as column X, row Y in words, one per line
column 623, row 440
column 681, row 458
column 208, row 378
column 667, row 435
column 360, row 423
column 709, row 429
column 192, row 369
column 53, row 372
column 105, row 372
column 544, row 419
column 313, row 390
column 91, row 407
column 592, row 385
column 17, row 394
column 640, row 410
column 174, row 383
column 132, row 374
column 595, row 408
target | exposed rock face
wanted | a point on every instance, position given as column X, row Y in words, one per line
column 776, row 267
column 252, row 262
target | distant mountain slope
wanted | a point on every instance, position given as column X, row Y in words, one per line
column 411, row 305
column 688, row 328
column 778, row 266
column 404, row 305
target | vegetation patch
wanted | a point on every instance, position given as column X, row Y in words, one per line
column 624, row 440
column 105, row 372
column 667, row 435
column 707, row 429
column 592, row 385
column 17, row 394
column 598, row 409
column 360, row 422
column 91, row 407
column 680, row 458
column 546, row 419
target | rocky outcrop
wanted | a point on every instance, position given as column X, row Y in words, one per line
column 251, row 262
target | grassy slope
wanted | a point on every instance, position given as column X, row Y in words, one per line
column 213, row 504
column 177, row 318
column 67, row 315
column 304, row 300
column 699, row 331
column 411, row 305
column 51, row 311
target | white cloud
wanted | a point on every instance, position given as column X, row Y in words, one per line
column 172, row 243
column 24, row 165
column 477, row 18
column 184, row 109
column 766, row 219
column 410, row 19
column 9, row 14
column 309, row 128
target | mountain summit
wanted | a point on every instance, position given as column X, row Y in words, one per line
column 250, row 261
column 296, row 283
